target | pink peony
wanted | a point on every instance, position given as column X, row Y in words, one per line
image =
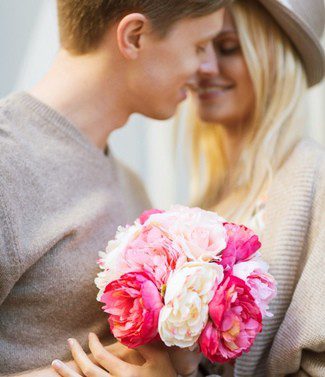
column 235, row 321
column 134, row 304
column 263, row 289
column 242, row 244
column 262, row 285
column 146, row 214
column 150, row 251
column 199, row 233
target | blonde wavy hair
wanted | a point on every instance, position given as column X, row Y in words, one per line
column 279, row 83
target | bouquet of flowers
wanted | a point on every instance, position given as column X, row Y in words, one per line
column 189, row 278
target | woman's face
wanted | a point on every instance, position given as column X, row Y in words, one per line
column 225, row 94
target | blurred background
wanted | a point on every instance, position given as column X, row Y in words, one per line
column 29, row 41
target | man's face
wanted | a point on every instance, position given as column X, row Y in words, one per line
column 166, row 67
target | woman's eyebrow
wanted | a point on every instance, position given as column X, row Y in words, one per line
column 227, row 31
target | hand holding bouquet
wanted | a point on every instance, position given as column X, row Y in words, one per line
column 189, row 278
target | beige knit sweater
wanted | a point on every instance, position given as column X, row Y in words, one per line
column 61, row 200
column 293, row 341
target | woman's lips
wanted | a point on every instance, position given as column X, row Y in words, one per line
column 212, row 91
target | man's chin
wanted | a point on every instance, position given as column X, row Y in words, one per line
column 162, row 115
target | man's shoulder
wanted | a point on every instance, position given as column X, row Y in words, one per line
column 10, row 149
column 11, row 117
column 133, row 187
column 16, row 145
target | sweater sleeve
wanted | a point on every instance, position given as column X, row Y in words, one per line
column 312, row 364
column 311, row 332
column 300, row 341
column 9, row 259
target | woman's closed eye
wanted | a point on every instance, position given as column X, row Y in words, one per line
column 227, row 47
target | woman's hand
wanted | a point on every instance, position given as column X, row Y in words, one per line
column 185, row 362
column 156, row 361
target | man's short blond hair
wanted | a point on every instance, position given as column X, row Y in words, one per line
column 83, row 23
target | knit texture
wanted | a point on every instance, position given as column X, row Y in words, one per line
column 61, row 200
column 293, row 340
column 293, row 243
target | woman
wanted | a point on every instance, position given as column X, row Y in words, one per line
column 258, row 169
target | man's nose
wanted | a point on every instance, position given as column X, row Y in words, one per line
column 209, row 64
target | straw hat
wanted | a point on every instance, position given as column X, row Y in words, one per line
column 303, row 21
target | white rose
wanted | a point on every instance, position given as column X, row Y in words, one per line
column 188, row 294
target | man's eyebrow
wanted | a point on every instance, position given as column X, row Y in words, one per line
column 209, row 37
column 218, row 34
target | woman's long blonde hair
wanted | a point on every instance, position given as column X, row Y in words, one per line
column 279, row 83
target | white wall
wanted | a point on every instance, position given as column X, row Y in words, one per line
column 29, row 41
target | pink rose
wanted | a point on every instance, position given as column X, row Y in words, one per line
column 242, row 244
column 134, row 304
column 235, row 321
column 146, row 214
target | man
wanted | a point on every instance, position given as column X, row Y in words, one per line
column 61, row 195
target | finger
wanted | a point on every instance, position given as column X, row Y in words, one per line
column 126, row 354
column 106, row 358
column 87, row 367
column 63, row 370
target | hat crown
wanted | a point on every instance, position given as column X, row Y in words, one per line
column 303, row 22
column 310, row 12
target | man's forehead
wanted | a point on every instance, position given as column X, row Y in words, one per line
column 210, row 29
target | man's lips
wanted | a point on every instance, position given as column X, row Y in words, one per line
column 183, row 93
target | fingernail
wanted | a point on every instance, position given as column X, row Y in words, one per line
column 70, row 342
column 57, row 363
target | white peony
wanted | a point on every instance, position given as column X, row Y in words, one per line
column 188, row 293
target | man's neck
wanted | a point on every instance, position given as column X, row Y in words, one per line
column 81, row 89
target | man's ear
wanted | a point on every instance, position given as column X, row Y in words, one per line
column 129, row 32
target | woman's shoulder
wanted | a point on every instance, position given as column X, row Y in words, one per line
column 309, row 148
column 307, row 158
column 298, row 187
column 305, row 170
